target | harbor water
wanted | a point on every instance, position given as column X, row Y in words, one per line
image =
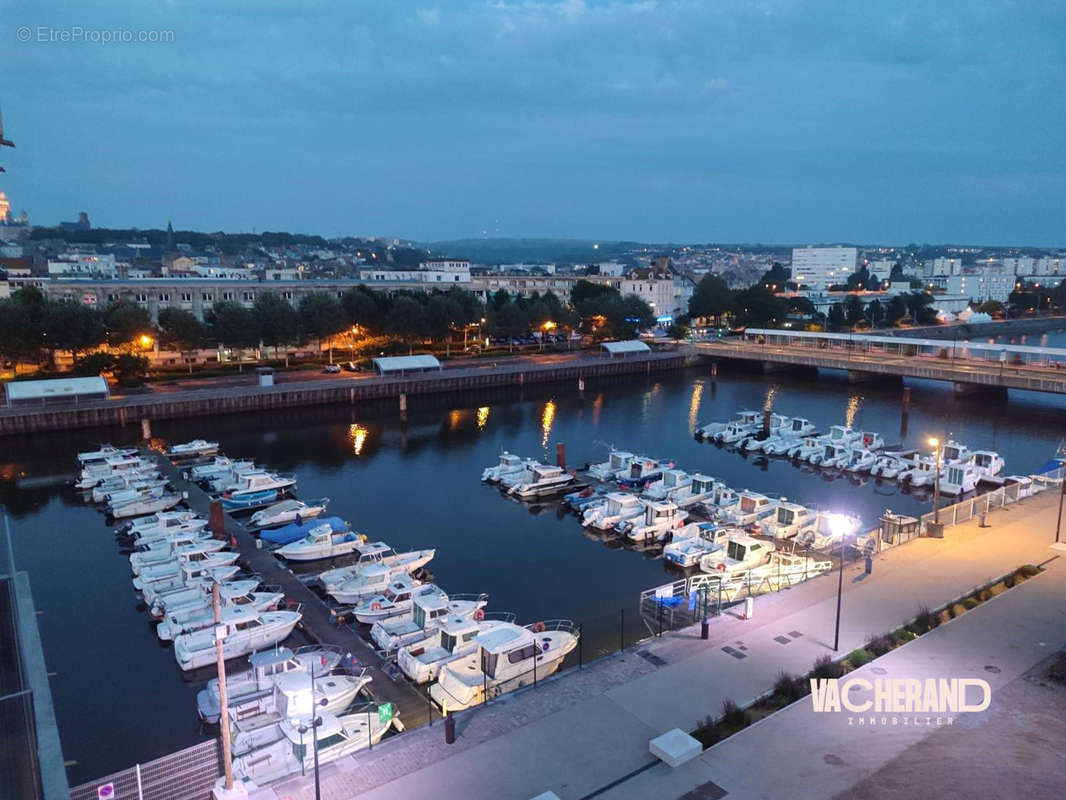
column 119, row 695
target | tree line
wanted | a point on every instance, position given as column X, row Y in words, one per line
column 33, row 327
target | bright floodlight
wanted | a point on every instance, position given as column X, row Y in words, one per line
column 839, row 525
column 933, row 441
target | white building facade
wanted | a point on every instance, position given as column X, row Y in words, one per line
column 819, row 267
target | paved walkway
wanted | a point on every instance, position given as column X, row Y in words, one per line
column 579, row 734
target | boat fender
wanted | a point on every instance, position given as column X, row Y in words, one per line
column 721, row 567
column 538, row 627
column 546, row 646
column 375, row 606
column 479, row 614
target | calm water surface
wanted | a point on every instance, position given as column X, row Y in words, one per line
column 118, row 693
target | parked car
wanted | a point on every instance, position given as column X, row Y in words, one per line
column 351, row 366
column 332, row 368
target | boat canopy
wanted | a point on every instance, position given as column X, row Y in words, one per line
column 294, row 532
column 400, row 365
column 625, row 348
column 61, row 390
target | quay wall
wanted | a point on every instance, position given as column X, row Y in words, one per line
column 248, row 399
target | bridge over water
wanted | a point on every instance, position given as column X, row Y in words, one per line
column 971, row 367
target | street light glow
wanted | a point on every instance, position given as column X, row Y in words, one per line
column 934, row 442
column 840, row 525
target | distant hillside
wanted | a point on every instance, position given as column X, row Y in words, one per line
column 495, row 251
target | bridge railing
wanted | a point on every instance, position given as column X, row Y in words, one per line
column 983, row 504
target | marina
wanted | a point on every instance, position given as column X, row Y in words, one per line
column 341, row 455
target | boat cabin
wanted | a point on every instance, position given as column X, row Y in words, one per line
column 374, row 553
column 618, row 460
column 789, row 514
column 430, row 603
column 954, row 452
column 986, row 461
column 325, row 535
column 620, row 502
column 748, row 418
column 675, row 479
column 799, row 426
column 839, row 433
column 752, row 502
column 657, row 513
column 507, row 651
column 744, row 552
column 701, row 484
column 456, row 631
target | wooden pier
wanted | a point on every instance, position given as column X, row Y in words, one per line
column 318, row 622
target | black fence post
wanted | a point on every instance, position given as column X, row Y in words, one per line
column 429, row 704
column 660, row 618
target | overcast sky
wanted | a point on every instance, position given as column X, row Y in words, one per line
column 711, row 120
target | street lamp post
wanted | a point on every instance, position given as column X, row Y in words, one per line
column 937, row 451
column 840, row 526
column 1062, row 493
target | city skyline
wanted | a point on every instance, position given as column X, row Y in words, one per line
column 650, row 122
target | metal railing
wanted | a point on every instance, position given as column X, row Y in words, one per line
column 984, row 504
column 187, row 774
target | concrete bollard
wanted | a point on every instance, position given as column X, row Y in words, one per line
column 146, row 429
column 749, row 607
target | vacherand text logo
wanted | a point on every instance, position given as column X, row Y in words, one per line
column 921, row 698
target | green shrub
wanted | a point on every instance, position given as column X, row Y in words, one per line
column 903, row 635
column 788, row 687
column 826, row 667
column 860, row 657
column 1009, row 581
column 734, row 715
column 951, row 611
column 970, row 602
column 1028, row 571
column 925, row 620
column 879, row 645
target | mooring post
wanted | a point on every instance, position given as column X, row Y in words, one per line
column 146, row 429
column 403, row 405
column 560, row 454
column 714, row 370
column 217, row 521
column 581, row 386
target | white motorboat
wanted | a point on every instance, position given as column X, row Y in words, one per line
column 287, row 511
column 720, row 500
column 954, row 453
column 144, row 505
column 788, row 520
column 798, row 427
column 395, row 601
column 736, row 431
column 921, row 473
column 218, row 467
column 741, row 553
column 860, row 460
column 749, row 508
column 671, row 483
column 695, row 540
column 119, row 483
column 230, row 477
column 699, row 488
column 822, row 536
column 746, row 420
column 255, row 631
column 506, row 659
column 105, row 452
column 254, row 722
column 870, row 441
column 376, row 554
column 197, row 448
column 642, row 472
column 173, row 568
column 806, row 447
column 322, row 542
column 96, row 471
column 958, row 479
column 660, row 518
column 233, row 607
column 885, row 463
column 780, row 445
column 617, row 462
column 170, row 552
column 190, row 576
column 619, row 507
column 510, row 464
column 832, row 455
column 455, row 637
column 161, row 523
column 1024, row 486
column 756, row 441
column 294, row 752
column 196, row 594
column 141, row 490
column 986, row 463
column 264, row 666
column 363, row 583
column 542, row 480
column 166, row 543
column 430, row 605
column 255, row 489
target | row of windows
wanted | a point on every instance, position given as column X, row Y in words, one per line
column 187, row 297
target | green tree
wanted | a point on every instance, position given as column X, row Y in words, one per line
column 276, row 320
column 919, row 306
column 72, row 326
column 897, row 309
column 181, row 331
column 758, row 307
column 860, row 279
column 711, row 298
column 677, row 332
column 407, row 320
column 20, row 335
column 853, row 311
column 443, row 315
column 876, row 312
column 95, row 363
column 897, row 274
column 364, row 307
column 320, row 317
column 992, row 307
column 129, row 369
column 776, row 276
column 232, row 324
column 836, row 319
column 126, row 322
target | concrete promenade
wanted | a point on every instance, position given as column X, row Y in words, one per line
column 586, row 733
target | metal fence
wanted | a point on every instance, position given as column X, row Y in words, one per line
column 20, row 774
column 984, row 504
column 187, row 774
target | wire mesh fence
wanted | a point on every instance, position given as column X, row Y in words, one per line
column 187, row 774
column 983, row 504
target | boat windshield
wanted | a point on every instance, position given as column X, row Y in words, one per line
column 785, row 516
column 390, row 595
column 447, row 641
column 747, row 504
column 488, row 663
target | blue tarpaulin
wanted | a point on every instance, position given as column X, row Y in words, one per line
column 293, row 531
